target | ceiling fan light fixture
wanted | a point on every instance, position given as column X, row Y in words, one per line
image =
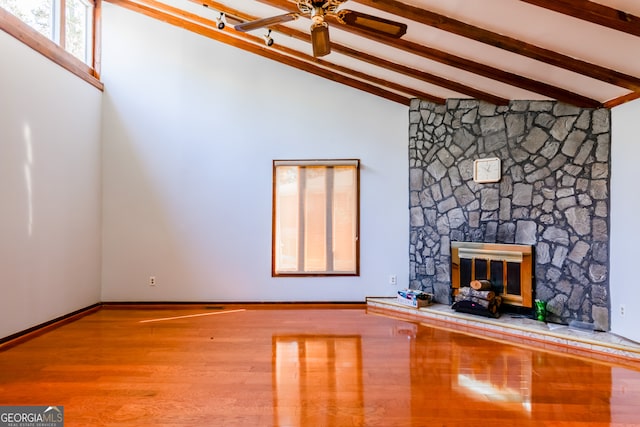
column 320, row 39
column 317, row 10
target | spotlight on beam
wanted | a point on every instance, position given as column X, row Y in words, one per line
column 267, row 39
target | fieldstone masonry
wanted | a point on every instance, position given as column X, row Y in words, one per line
column 554, row 194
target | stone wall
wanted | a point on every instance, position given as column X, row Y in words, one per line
column 553, row 194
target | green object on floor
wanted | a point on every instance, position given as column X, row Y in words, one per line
column 541, row 310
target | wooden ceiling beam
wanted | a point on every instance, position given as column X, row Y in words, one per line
column 471, row 66
column 490, row 72
column 377, row 61
column 593, row 12
column 519, row 47
column 421, row 75
column 194, row 23
column 621, row 100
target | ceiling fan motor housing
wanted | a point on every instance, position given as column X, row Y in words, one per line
column 312, row 7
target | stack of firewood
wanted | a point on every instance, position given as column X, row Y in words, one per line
column 478, row 298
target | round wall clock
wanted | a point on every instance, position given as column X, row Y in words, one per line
column 487, row 170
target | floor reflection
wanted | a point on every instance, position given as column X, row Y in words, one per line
column 506, row 381
column 317, row 380
column 502, row 377
column 399, row 373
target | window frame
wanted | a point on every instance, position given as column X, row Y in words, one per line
column 89, row 28
column 47, row 47
column 315, row 162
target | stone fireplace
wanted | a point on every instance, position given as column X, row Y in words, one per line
column 553, row 195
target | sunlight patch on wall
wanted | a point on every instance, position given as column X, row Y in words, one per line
column 28, row 176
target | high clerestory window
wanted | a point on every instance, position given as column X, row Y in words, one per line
column 67, row 24
column 315, row 217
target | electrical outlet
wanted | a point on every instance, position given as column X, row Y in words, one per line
column 622, row 310
column 393, row 279
column 152, row 280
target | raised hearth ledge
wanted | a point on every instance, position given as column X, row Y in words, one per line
column 524, row 331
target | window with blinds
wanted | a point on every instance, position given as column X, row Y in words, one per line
column 315, row 217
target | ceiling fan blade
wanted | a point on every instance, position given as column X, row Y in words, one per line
column 265, row 22
column 372, row 23
column 320, row 39
column 232, row 20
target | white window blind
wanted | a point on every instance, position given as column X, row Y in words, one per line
column 315, row 217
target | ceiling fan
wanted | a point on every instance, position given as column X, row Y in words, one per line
column 317, row 10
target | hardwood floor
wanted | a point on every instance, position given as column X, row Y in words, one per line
column 304, row 366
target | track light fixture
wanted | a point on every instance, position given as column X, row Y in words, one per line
column 267, row 39
column 220, row 21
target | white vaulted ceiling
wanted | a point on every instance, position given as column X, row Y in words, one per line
column 585, row 53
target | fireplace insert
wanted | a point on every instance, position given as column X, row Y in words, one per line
column 508, row 267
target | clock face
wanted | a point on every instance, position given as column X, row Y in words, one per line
column 487, row 170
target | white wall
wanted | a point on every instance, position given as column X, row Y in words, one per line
column 49, row 190
column 191, row 127
column 625, row 233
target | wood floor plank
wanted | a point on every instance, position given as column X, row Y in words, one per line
column 303, row 366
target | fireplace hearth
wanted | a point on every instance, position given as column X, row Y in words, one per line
column 508, row 267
